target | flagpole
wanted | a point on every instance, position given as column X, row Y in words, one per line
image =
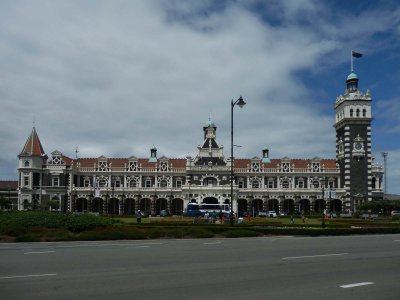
column 351, row 60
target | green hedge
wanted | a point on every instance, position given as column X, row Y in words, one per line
column 17, row 221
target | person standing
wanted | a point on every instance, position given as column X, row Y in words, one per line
column 139, row 216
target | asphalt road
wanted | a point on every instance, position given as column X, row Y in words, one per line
column 352, row 267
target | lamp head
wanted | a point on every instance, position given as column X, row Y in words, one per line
column 241, row 102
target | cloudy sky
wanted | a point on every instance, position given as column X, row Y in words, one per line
column 117, row 77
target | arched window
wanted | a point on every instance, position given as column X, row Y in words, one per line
column 163, row 184
column 357, row 112
column 351, row 112
column 285, row 184
column 132, row 183
column 364, row 112
column 210, row 181
column 255, row 184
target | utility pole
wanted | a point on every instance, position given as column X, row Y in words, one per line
column 384, row 155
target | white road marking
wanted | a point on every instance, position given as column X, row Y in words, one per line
column 212, row 243
column 346, row 286
column 25, row 276
column 39, row 252
column 311, row 256
column 397, row 240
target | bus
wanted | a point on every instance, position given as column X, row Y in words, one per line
column 199, row 209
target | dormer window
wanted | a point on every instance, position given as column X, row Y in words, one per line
column 285, row 167
column 255, row 167
column 103, row 166
column 164, row 166
column 132, row 166
column 26, row 164
column 316, row 167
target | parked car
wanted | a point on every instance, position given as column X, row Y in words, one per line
column 262, row 214
column 163, row 213
column 272, row 214
column 395, row 212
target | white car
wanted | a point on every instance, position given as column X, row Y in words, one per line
column 395, row 212
column 272, row 214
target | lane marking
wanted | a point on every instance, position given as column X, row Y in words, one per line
column 397, row 240
column 25, row 276
column 311, row 256
column 346, row 286
column 39, row 252
column 212, row 243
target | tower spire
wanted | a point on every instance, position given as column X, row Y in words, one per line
column 33, row 146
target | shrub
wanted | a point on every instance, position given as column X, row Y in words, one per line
column 234, row 233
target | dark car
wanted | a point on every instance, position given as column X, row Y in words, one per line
column 163, row 213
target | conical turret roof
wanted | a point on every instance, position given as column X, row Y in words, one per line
column 33, row 147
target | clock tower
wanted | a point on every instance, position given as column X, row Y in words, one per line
column 353, row 143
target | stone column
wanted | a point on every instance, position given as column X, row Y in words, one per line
column 121, row 205
column 105, row 204
column 137, row 203
column 153, row 205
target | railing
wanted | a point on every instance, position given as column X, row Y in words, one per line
column 125, row 170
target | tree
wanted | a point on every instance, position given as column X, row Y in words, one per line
column 4, row 203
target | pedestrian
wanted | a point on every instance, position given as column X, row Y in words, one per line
column 139, row 216
column 291, row 219
column 221, row 216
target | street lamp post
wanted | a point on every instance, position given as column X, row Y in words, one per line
column 240, row 102
column 323, row 199
column 9, row 197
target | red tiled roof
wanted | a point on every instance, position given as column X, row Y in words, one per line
column 178, row 162
column 5, row 184
column 33, row 146
column 298, row 163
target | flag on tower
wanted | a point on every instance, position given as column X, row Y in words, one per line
column 356, row 54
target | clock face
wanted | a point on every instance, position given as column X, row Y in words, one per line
column 358, row 146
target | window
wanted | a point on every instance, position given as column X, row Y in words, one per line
column 285, row 184
column 26, row 180
column 285, row 167
column 240, row 184
column 132, row 166
column 255, row 184
column 102, row 183
column 56, row 181
column 316, row 184
column 210, row 181
column 316, row 167
column 86, row 182
column 132, row 183
column 164, row 166
column 351, row 112
column 255, row 167
column 178, row 183
column 26, row 164
column 271, row 184
column 103, row 166
column 364, row 112
column 357, row 112
column 147, row 183
column 300, row 184
column 163, row 184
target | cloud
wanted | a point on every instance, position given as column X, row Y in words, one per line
column 114, row 78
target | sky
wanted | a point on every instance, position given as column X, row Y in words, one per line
column 116, row 78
